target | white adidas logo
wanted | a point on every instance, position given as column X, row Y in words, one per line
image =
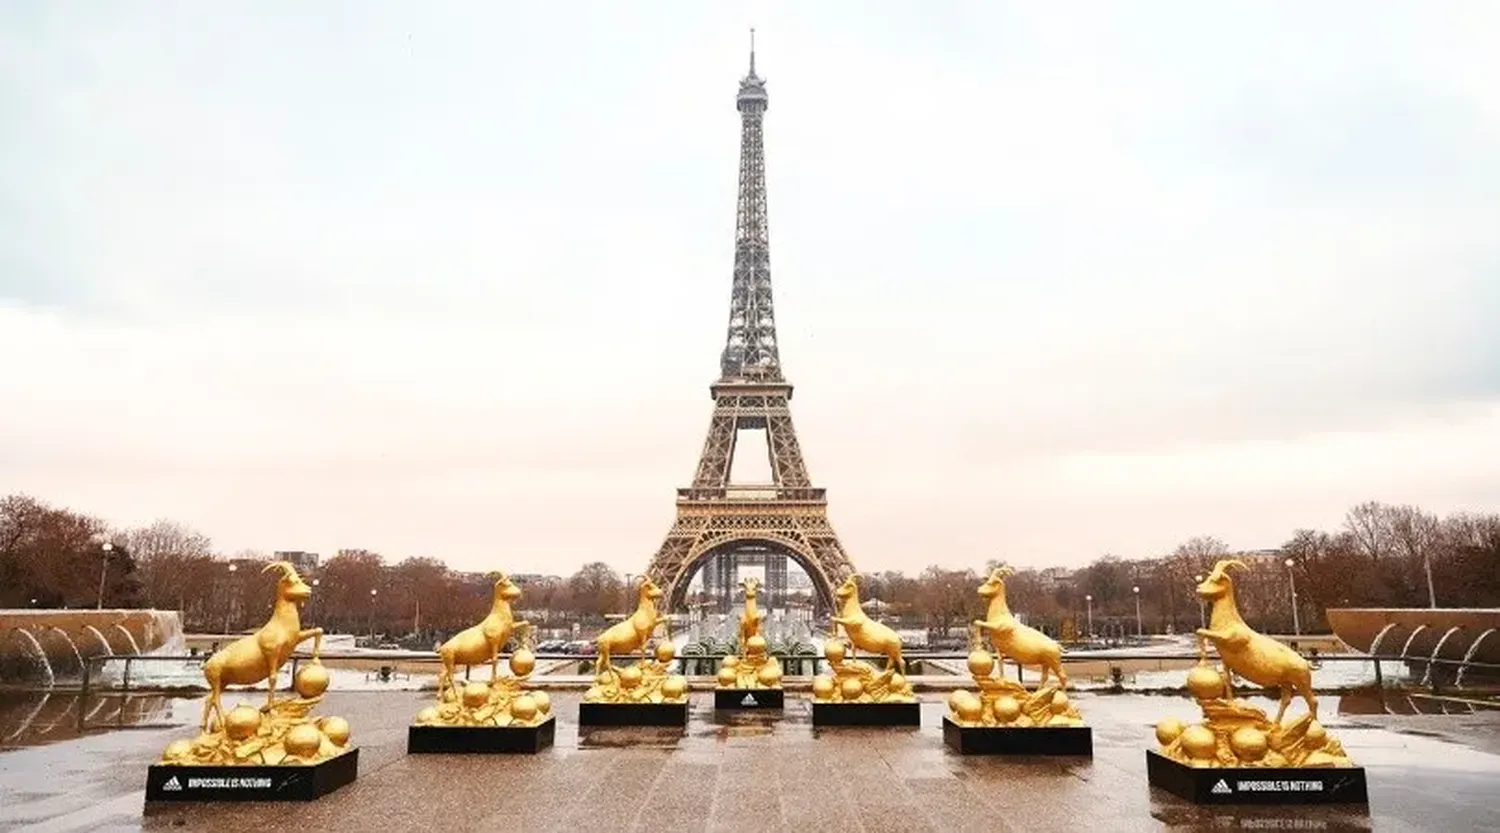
column 172, row 785
column 1221, row 788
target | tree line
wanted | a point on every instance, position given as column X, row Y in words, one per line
column 1381, row 556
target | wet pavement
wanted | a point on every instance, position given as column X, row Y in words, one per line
column 748, row 772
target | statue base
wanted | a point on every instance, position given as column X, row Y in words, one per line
column 1016, row 740
column 179, row 782
column 749, row 698
column 633, row 714
column 481, row 739
column 867, row 714
column 1258, row 785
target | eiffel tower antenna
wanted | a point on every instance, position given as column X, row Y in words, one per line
column 722, row 525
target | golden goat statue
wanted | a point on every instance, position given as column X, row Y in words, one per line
column 482, row 642
column 633, row 633
column 865, row 633
column 256, row 657
column 752, row 617
column 1256, row 657
column 1025, row 645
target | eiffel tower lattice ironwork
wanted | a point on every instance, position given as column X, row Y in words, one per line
column 789, row 516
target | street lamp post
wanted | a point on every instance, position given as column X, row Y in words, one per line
column 1139, row 631
column 1291, row 574
column 229, row 602
column 1089, row 601
column 1202, row 609
column 107, row 547
column 373, row 593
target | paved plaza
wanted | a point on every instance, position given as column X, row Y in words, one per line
column 760, row 772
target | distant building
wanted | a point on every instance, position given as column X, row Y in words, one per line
column 305, row 562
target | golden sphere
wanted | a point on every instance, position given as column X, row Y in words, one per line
column 522, row 662
column 427, row 715
column 523, row 708
column 1060, row 703
column 727, row 677
column 730, row 661
column 603, row 678
column 543, row 702
column 1199, row 742
column 665, row 652
column 476, row 695
column 852, row 688
column 769, row 675
column 177, row 750
column 981, row 664
column 834, row 650
column 1316, row 735
column 1168, row 730
column 1205, row 683
column 1006, row 708
column 630, row 676
column 756, row 645
column 1249, row 743
column 593, row 694
column 335, row 729
column 898, row 683
column 242, row 722
column 312, row 680
column 822, row 687
column 967, row 706
column 674, row 687
column 303, row 740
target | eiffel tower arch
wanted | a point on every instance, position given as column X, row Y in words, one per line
column 788, row 517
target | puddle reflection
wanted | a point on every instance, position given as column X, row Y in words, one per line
column 35, row 718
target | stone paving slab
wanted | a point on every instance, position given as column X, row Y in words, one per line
column 757, row 771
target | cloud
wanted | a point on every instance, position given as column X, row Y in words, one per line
column 453, row 281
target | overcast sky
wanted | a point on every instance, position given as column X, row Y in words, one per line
column 452, row 279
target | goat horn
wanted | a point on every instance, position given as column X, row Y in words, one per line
column 1002, row 572
column 1223, row 566
column 285, row 567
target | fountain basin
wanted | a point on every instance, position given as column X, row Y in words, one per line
column 1471, row 634
column 44, row 646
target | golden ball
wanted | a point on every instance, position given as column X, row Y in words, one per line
column 898, row 683
column 595, row 693
column 730, row 661
column 1060, row 703
column 851, row 688
column 543, row 702
column 242, row 722
column 674, row 687
column 630, row 676
column 1199, row 742
column 523, row 708
column 727, row 676
column 335, row 729
column 303, row 740
column 1249, row 743
column 1168, row 730
column 476, row 695
column 427, row 715
column 665, row 652
column 981, row 663
column 1206, row 683
column 822, row 687
column 769, row 675
column 522, row 662
column 1316, row 735
column 967, row 706
column 756, row 645
column 834, row 650
column 177, row 750
column 312, row 680
column 1006, row 708
column 603, row 678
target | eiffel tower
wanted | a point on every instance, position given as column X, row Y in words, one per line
column 719, row 524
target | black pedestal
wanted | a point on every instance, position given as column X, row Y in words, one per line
column 171, row 782
column 749, row 698
column 482, row 739
column 867, row 714
column 1263, row 785
column 1010, row 740
column 632, row 714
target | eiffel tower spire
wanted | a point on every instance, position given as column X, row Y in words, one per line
column 750, row 350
